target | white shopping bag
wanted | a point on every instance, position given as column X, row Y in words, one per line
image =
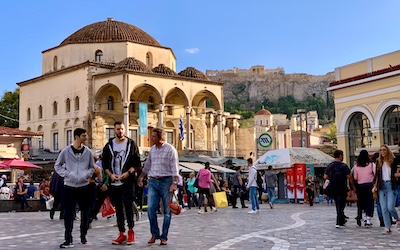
column 49, row 203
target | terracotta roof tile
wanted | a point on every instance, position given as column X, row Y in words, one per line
column 15, row 131
column 111, row 31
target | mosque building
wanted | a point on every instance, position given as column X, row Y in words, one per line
column 113, row 71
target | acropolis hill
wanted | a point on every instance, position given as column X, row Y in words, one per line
column 258, row 83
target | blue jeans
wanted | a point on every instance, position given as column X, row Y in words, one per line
column 271, row 194
column 253, row 198
column 159, row 189
column 387, row 199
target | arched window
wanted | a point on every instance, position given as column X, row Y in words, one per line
column 110, row 103
column 99, row 56
column 391, row 126
column 170, row 110
column 55, row 63
column 149, row 60
column 132, row 107
column 76, row 103
column 28, row 114
column 54, row 108
column 40, row 111
column 358, row 131
column 151, row 102
column 68, row 105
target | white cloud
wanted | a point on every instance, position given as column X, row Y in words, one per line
column 192, row 50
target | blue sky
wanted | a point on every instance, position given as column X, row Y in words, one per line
column 310, row 37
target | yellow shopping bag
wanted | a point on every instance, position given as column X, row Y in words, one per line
column 220, row 199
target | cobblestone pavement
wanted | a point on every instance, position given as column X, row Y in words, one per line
column 287, row 226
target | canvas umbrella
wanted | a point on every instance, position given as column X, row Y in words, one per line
column 18, row 164
column 286, row 157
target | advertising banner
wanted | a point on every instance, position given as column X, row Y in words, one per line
column 290, row 183
column 300, row 174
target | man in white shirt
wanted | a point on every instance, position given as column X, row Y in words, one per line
column 252, row 185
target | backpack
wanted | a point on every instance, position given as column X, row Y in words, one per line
column 259, row 180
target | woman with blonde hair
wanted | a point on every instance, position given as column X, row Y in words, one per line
column 385, row 182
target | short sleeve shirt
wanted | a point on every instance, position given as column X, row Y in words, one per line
column 337, row 172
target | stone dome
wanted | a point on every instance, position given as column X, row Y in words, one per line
column 131, row 63
column 164, row 70
column 193, row 73
column 110, row 31
column 263, row 112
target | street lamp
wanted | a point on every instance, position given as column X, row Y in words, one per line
column 301, row 112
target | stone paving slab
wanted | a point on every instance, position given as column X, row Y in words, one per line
column 287, row 226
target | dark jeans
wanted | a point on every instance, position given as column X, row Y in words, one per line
column 92, row 198
column 180, row 196
column 100, row 197
column 23, row 201
column 260, row 193
column 191, row 198
column 310, row 196
column 340, row 202
column 123, row 197
column 237, row 193
column 58, row 201
column 365, row 200
column 72, row 196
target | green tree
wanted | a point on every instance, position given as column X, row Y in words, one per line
column 332, row 133
column 9, row 109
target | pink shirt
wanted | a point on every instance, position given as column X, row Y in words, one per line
column 364, row 174
column 204, row 176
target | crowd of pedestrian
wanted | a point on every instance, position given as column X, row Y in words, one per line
column 371, row 180
column 82, row 183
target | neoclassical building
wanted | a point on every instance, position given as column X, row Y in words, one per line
column 103, row 72
column 367, row 99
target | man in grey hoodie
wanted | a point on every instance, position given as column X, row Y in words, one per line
column 75, row 164
column 270, row 181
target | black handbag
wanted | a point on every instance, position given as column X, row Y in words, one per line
column 196, row 183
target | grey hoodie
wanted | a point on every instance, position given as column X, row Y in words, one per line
column 76, row 171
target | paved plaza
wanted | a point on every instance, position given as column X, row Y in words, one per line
column 287, row 226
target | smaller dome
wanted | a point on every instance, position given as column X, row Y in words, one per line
column 131, row 63
column 164, row 70
column 193, row 73
column 263, row 112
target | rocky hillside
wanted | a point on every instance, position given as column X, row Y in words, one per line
column 256, row 88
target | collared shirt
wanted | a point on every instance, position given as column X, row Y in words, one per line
column 162, row 161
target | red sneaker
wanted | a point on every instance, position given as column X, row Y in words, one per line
column 121, row 239
column 131, row 237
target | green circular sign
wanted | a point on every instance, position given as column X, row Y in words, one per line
column 265, row 140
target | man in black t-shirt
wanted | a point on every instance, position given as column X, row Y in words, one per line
column 337, row 173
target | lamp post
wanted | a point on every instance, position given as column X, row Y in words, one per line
column 301, row 112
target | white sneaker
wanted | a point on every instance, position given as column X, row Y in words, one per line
column 200, row 211
column 213, row 209
column 252, row 212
